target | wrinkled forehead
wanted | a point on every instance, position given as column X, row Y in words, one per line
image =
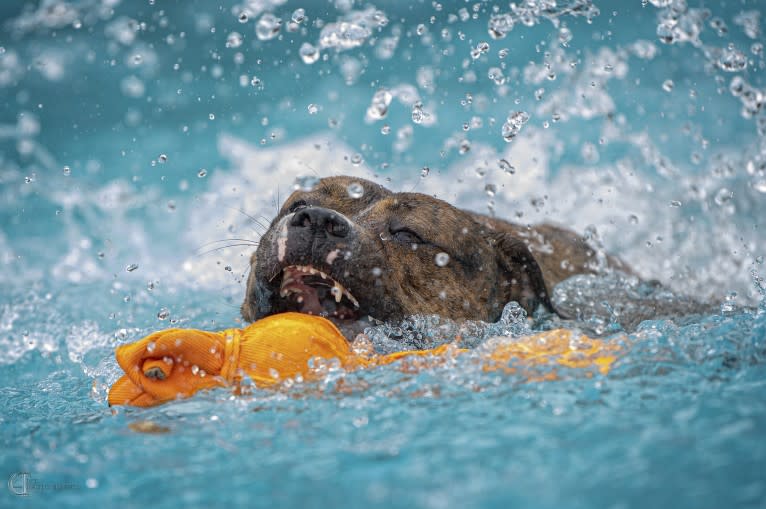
column 419, row 210
column 347, row 195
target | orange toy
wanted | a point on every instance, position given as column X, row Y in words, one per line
column 176, row 363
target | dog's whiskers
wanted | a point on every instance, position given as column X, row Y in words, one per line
column 247, row 244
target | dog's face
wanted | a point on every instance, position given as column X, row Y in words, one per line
column 333, row 253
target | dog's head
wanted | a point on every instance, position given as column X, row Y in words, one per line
column 351, row 248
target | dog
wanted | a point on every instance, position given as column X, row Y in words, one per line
column 350, row 249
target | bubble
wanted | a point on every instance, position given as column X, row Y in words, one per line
column 66, row 171
column 313, row 109
column 355, row 190
column 309, row 53
column 267, row 27
column 305, row 183
column 131, row 267
column 441, row 259
column 667, row 85
column 202, row 173
column 234, row 40
column 513, row 125
column 163, row 314
column 298, row 15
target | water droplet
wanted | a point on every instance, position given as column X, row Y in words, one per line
column 675, row 203
column 667, row 85
column 298, row 15
column 633, row 219
column 723, row 196
column 150, row 346
column 234, row 40
column 490, row 189
column 163, row 314
column 227, row 268
column 425, row 171
column 496, row 75
column 379, row 105
column 195, row 369
column 499, row 25
column 66, row 171
column 441, row 259
column 242, row 17
column 211, row 116
column 309, row 54
column 355, row 190
column 513, row 125
column 131, row 267
column 356, row 159
column 305, row 183
column 313, row 109
column 665, row 32
column 506, row 167
column 202, row 173
column 256, row 81
column 732, row 60
column 418, row 115
column 760, row 186
column 268, row 27
column 386, row 129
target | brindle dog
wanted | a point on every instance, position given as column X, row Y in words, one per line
column 389, row 255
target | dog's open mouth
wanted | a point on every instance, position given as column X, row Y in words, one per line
column 311, row 291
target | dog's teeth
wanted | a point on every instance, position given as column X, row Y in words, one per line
column 286, row 281
column 299, row 299
column 351, row 298
column 313, row 271
column 284, row 293
column 337, row 292
column 322, row 275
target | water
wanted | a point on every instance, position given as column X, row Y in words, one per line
column 134, row 135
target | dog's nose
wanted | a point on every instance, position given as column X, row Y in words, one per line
column 321, row 220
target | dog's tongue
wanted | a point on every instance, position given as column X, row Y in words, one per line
column 310, row 297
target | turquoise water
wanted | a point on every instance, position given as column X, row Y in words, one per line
column 137, row 133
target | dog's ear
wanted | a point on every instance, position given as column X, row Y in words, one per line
column 521, row 277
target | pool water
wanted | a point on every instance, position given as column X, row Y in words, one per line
column 143, row 146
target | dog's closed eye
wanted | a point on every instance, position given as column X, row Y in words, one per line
column 406, row 236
